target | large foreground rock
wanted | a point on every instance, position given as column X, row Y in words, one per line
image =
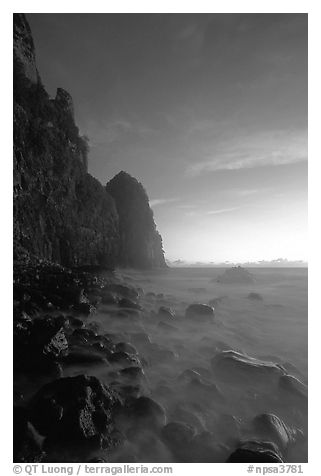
column 75, row 412
column 269, row 427
column 255, row 452
column 234, row 367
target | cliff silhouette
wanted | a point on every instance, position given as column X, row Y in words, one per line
column 62, row 213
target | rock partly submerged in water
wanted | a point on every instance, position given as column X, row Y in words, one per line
column 269, row 427
column 143, row 413
column 178, row 437
column 27, row 443
column 234, row 367
column 255, row 452
column 236, row 275
column 255, row 297
column 200, row 312
column 166, row 313
column 75, row 412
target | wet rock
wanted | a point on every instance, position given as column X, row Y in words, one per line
column 76, row 322
column 142, row 412
column 293, row 389
column 236, row 275
column 124, row 359
column 204, row 449
column 147, row 411
column 123, row 290
column 227, row 428
column 166, row 313
column 82, row 336
column 84, row 308
column 140, row 338
column 188, row 375
column 270, row 427
column 200, row 313
column 109, row 298
column 234, row 367
column 178, row 437
column 160, row 354
column 48, row 337
column 135, row 374
column 126, row 347
column 149, row 446
column 255, row 297
column 27, row 443
column 255, row 452
column 165, row 327
column 97, row 460
column 129, row 304
column 203, row 392
column 74, row 412
column 85, row 356
column 217, row 301
column 187, row 414
column 127, row 390
column 151, row 295
column 37, row 344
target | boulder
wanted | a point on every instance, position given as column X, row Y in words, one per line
column 269, row 427
column 27, row 443
column 293, row 389
column 48, row 337
column 200, row 312
column 166, row 313
column 236, row 275
column 141, row 413
column 126, row 347
column 255, row 297
column 74, row 411
column 129, row 304
column 165, row 327
column 237, row 368
column 255, row 452
column 132, row 374
column 124, row 359
column 178, row 437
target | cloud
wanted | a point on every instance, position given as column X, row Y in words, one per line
column 161, row 201
column 260, row 150
column 222, row 210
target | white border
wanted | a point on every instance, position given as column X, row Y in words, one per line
column 201, row 6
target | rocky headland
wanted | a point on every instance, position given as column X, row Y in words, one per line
column 103, row 371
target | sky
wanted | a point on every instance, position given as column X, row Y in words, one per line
column 208, row 111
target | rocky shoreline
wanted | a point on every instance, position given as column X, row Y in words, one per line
column 83, row 394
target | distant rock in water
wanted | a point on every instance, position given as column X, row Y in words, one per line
column 61, row 213
column 140, row 242
column 236, row 275
column 255, row 297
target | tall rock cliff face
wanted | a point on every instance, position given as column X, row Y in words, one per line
column 140, row 242
column 61, row 213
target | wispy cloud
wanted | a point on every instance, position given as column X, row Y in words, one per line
column 222, row 210
column 264, row 149
column 161, row 201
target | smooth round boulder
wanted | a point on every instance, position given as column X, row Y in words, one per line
column 271, row 428
column 200, row 312
column 166, row 313
column 255, row 452
column 126, row 347
column 236, row 368
column 178, row 437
